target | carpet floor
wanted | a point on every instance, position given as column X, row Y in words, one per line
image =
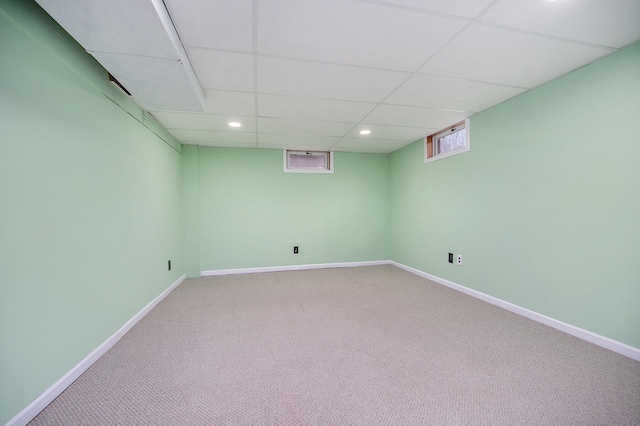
column 352, row 346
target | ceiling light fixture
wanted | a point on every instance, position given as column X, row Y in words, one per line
column 365, row 132
column 234, row 124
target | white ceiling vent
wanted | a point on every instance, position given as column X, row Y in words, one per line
column 113, row 80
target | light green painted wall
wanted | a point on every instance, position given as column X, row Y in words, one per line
column 251, row 213
column 545, row 207
column 96, row 197
column 191, row 212
column 89, row 206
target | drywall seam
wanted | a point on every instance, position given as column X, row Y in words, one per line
column 32, row 410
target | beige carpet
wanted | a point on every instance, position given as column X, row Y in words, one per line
column 354, row 346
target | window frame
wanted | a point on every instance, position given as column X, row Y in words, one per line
column 329, row 163
column 430, row 144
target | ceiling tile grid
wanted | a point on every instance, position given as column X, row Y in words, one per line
column 500, row 56
column 306, row 108
column 294, row 141
column 223, row 102
column 408, row 116
column 193, row 121
column 308, row 127
column 611, row 23
column 214, row 138
column 216, row 24
column 351, row 32
column 430, row 91
column 389, row 133
column 460, row 8
column 328, row 81
column 312, row 74
column 223, row 70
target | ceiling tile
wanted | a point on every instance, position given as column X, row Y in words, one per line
column 321, row 68
column 500, row 56
column 110, row 26
column 290, row 141
column 222, row 144
column 223, row 70
column 464, row 8
column 351, row 32
column 392, row 133
column 450, row 93
column 364, row 150
column 371, row 144
column 393, row 115
column 143, row 76
column 613, row 23
column 176, row 120
column 302, row 78
column 312, row 109
column 219, row 24
column 230, row 103
column 201, row 137
column 303, row 127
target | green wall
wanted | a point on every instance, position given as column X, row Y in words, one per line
column 545, row 208
column 251, row 213
column 89, row 206
column 96, row 197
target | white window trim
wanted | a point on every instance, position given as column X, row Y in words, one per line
column 287, row 170
column 467, row 147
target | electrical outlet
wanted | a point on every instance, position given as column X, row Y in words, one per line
column 450, row 257
column 169, row 265
column 459, row 259
column 295, row 249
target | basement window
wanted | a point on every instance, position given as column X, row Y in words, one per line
column 447, row 142
column 307, row 161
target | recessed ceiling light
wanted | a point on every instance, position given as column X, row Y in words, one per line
column 234, row 124
column 365, row 132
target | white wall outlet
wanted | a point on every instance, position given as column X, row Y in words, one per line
column 459, row 259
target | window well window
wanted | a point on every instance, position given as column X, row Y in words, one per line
column 450, row 141
column 308, row 161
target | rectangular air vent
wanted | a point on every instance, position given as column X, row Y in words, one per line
column 117, row 83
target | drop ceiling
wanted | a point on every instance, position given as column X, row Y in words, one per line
column 310, row 74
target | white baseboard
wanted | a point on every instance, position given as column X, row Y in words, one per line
column 605, row 342
column 32, row 410
column 291, row 268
